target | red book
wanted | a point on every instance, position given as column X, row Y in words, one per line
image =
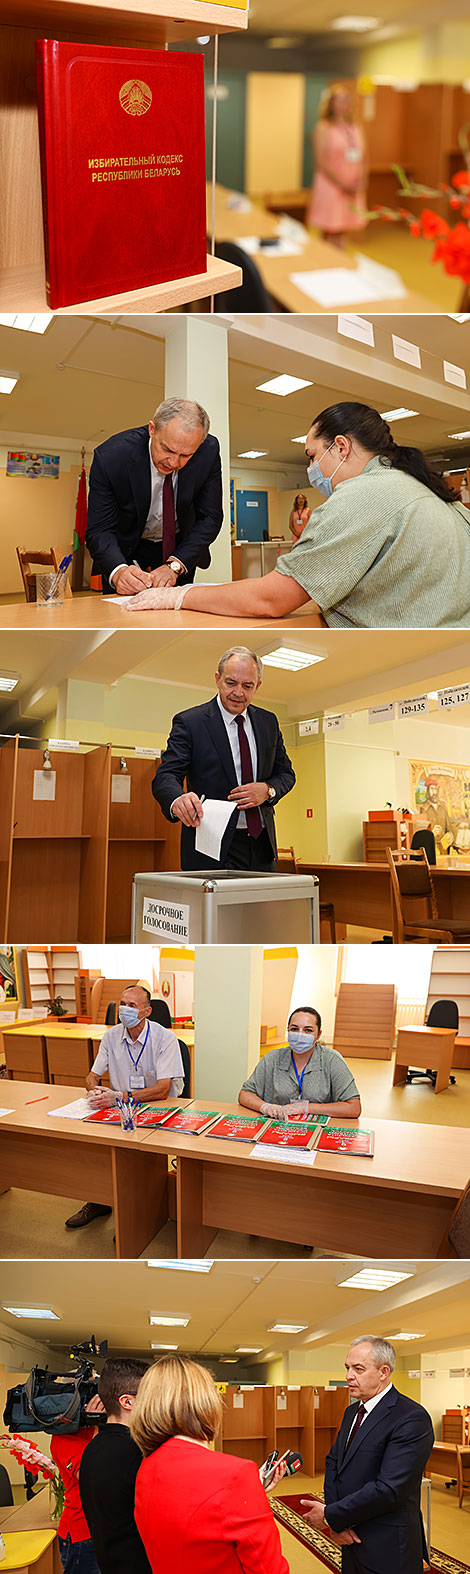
column 341, row 1139
column 283, row 1134
column 123, row 168
column 194, row 1121
column 239, row 1128
column 107, row 1117
column 150, row 1115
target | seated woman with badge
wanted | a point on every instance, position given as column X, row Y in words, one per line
column 303, row 1077
column 140, row 1057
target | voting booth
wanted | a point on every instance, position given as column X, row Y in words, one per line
column 225, row 908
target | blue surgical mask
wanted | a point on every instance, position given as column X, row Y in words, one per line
column 300, row 1041
column 129, row 1016
column 323, row 483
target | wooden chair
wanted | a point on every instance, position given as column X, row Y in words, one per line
column 31, row 562
column 457, row 1236
column 286, row 860
column 105, row 990
column 365, row 1021
column 327, row 916
column 413, row 893
column 463, row 1470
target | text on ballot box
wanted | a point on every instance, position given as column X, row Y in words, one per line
column 165, row 920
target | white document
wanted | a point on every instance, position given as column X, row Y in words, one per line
column 120, row 788
column 279, row 246
column 282, row 1402
column 264, row 1150
column 369, row 281
column 7, row 1111
column 44, row 785
column 6, row 1017
column 76, row 1111
column 217, row 813
column 238, row 1401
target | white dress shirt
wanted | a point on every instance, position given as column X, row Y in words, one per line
column 369, row 1404
column 231, row 726
column 153, row 528
column 136, row 1064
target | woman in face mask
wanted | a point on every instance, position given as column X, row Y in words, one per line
column 304, row 1077
column 389, row 548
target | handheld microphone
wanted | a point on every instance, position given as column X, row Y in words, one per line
column 293, row 1462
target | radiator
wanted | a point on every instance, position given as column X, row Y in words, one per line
column 410, row 1013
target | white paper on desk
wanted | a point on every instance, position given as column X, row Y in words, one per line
column 333, row 287
column 7, row 1111
column 119, row 601
column 209, row 834
column 264, row 1150
column 76, row 1111
column 279, row 246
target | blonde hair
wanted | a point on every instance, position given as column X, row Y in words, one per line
column 326, row 107
column 177, row 1395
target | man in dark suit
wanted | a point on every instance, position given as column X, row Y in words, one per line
column 227, row 749
column 373, row 1471
column 155, row 501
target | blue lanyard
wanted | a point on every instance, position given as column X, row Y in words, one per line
column 300, row 1079
column 139, row 1057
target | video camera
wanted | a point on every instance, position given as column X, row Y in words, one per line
column 55, row 1402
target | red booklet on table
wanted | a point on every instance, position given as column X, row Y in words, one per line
column 194, row 1121
column 149, row 1115
column 123, row 168
column 239, row 1128
column 287, row 1134
column 341, row 1139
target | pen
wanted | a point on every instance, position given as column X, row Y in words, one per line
column 201, row 800
column 42, row 1100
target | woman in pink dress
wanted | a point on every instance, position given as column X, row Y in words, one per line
column 299, row 516
column 338, row 196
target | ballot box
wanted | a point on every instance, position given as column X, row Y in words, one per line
column 225, row 908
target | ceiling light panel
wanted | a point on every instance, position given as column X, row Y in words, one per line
column 283, row 385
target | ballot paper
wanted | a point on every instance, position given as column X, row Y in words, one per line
column 217, row 813
column 305, row 1156
column 79, row 1110
column 368, row 281
column 279, row 246
column 7, row 1111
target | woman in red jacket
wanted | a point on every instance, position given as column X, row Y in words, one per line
column 195, row 1509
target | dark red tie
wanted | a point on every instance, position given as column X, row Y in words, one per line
column 253, row 817
column 355, row 1428
column 169, row 522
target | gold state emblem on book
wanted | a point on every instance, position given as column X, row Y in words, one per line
column 135, row 97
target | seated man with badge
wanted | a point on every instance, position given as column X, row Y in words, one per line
column 303, row 1077
column 140, row 1057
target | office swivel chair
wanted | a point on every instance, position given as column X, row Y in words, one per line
column 443, row 1013
column 160, row 1013
column 427, row 840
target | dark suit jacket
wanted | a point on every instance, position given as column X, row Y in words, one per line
column 119, row 501
column 198, row 752
column 374, row 1488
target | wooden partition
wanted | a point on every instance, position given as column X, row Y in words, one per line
column 248, row 1424
column 295, row 1424
column 330, row 1405
column 67, row 862
column 365, row 1021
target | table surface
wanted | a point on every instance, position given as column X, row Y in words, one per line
column 424, row 1030
column 444, row 867
column 231, row 224
column 53, row 1029
column 28, row 1101
column 34, row 1515
column 94, row 611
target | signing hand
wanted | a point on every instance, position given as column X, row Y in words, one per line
column 130, row 580
column 250, row 795
column 163, row 576
column 188, row 808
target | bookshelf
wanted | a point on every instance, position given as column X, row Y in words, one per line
column 67, row 861
column 450, row 980
column 330, row 1405
column 50, row 971
column 295, row 1423
column 140, row 23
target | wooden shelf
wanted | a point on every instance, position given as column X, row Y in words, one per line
column 23, row 289
column 140, row 22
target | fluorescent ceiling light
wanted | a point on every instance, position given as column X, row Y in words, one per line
column 30, row 322
column 356, row 24
column 164, row 1347
column 404, row 1336
column 300, row 439
column 249, row 1349
column 283, row 385
column 186, row 1265
column 8, row 681
column 291, row 660
column 7, row 384
column 458, row 435
column 397, row 415
column 254, row 453
column 168, row 1322
column 373, row 1279
column 287, row 1328
column 42, row 1313
column 228, row 1360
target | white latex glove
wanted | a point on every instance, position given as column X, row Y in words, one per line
column 275, row 1111
column 162, row 598
column 101, row 1098
column 298, row 1107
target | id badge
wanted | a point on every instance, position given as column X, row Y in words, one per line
column 136, row 1082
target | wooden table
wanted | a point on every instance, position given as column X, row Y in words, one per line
column 361, row 893
column 442, row 1461
column 342, row 1203
column 72, row 1158
column 276, row 275
column 26, row 1518
column 430, row 1047
column 94, row 611
column 49, row 1052
column 233, row 224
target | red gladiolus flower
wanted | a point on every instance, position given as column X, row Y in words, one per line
column 454, row 202
column 454, row 253
column 433, row 226
column 462, row 180
column 415, row 228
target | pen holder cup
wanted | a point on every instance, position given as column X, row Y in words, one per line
column 50, row 590
column 128, row 1120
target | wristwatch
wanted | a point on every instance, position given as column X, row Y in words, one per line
column 271, row 792
column 175, row 565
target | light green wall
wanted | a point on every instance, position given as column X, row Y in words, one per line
column 227, row 1035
